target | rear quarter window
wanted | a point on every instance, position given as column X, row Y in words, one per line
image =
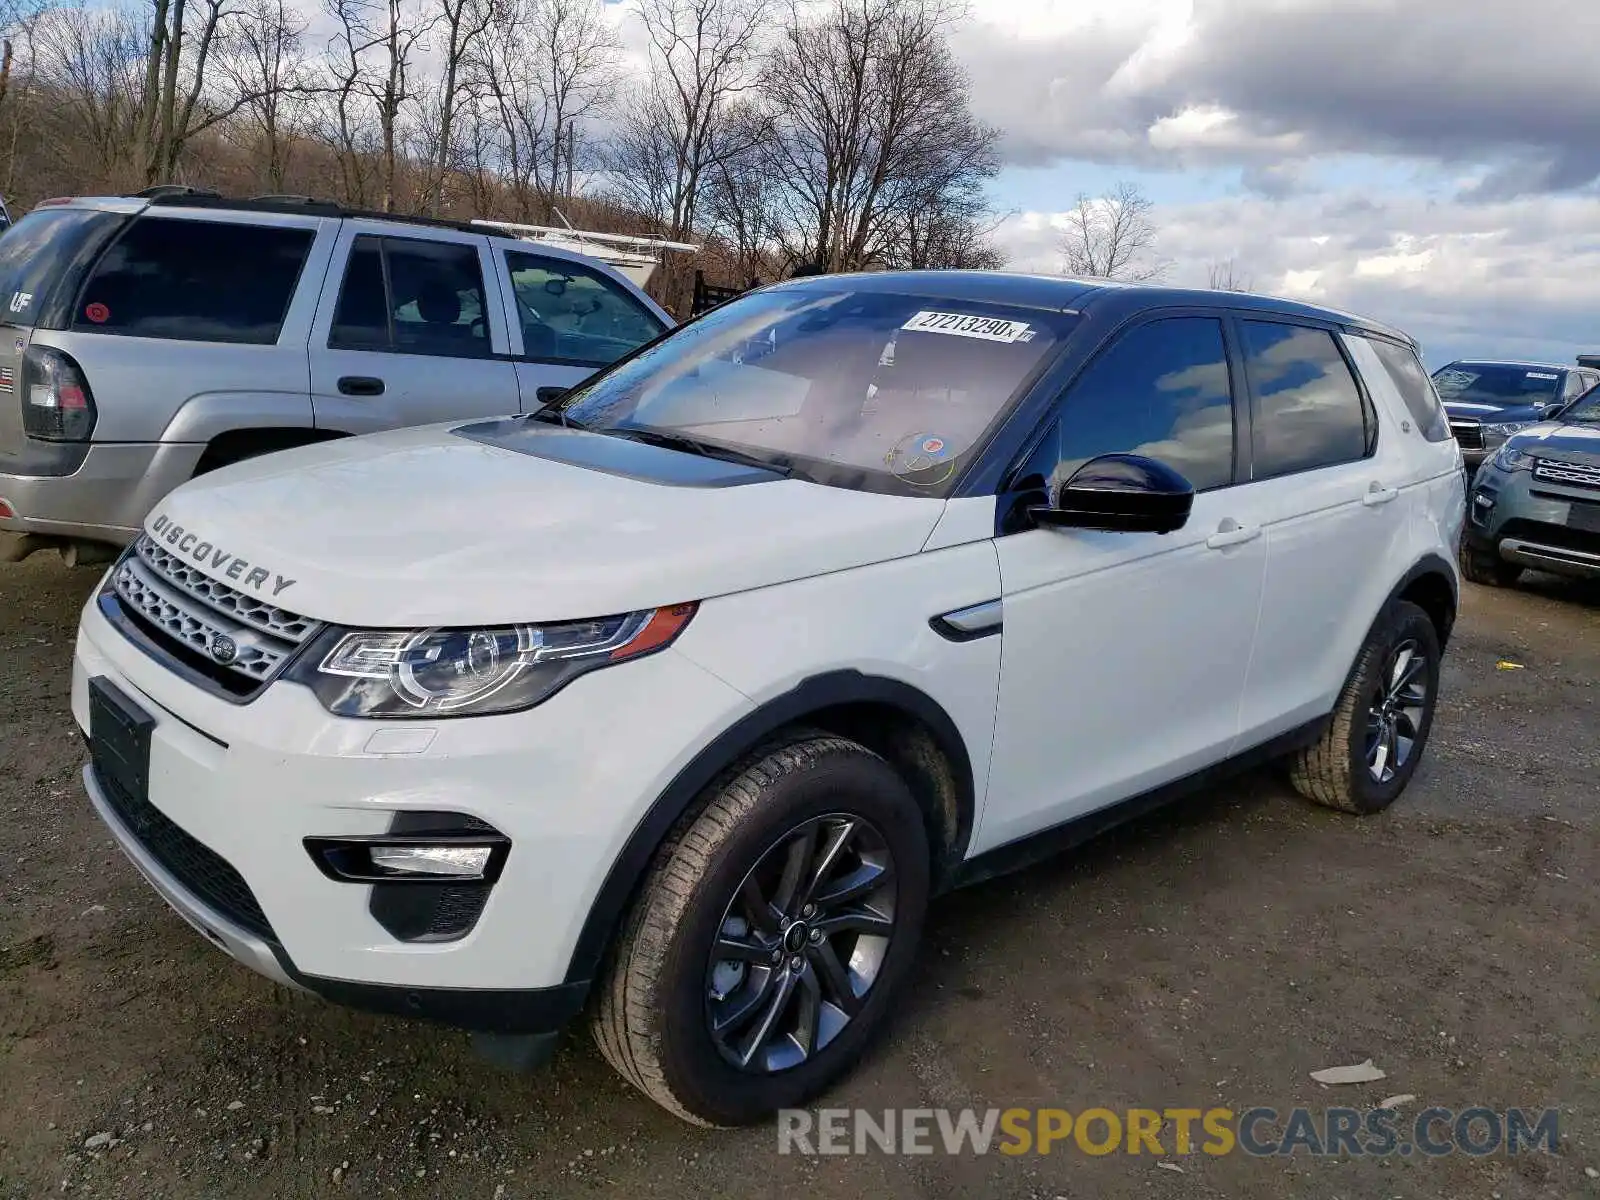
column 43, row 258
column 1416, row 388
column 200, row 281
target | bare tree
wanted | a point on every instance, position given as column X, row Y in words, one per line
column 264, row 62
column 371, row 62
column 462, row 24
column 542, row 71
column 872, row 127
column 1113, row 236
column 677, row 127
column 1225, row 276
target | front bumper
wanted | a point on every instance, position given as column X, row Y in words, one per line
column 99, row 492
column 566, row 782
column 1539, row 524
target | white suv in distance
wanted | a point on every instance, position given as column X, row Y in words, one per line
column 677, row 700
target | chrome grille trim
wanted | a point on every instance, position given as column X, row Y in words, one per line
column 1561, row 472
column 225, row 601
column 1468, row 433
column 185, row 620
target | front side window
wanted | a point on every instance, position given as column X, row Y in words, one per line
column 574, row 314
column 412, row 296
column 882, row 391
column 1405, row 371
column 198, row 281
column 1162, row 391
column 1309, row 411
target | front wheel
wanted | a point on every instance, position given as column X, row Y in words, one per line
column 771, row 934
column 1487, row 567
column 1372, row 745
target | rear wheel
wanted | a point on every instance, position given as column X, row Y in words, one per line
column 1487, row 567
column 771, row 934
column 1380, row 726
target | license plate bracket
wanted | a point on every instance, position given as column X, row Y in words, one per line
column 1584, row 516
column 119, row 738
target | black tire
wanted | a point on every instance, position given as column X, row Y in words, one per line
column 652, row 1020
column 1487, row 567
column 1337, row 770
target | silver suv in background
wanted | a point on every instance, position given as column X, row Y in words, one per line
column 145, row 340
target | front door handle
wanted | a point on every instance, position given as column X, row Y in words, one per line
column 1378, row 494
column 360, row 385
column 1231, row 533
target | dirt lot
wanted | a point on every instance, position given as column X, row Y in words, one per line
column 1212, row 955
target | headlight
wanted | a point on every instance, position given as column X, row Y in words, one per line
column 473, row 672
column 1506, row 429
column 1513, row 458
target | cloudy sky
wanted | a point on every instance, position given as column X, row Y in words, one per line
column 1432, row 163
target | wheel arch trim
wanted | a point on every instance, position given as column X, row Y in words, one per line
column 813, row 695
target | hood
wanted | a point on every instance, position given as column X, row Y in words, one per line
column 517, row 522
column 1561, row 442
column 1494, row 414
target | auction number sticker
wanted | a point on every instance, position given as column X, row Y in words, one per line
column 1542, row 375
column 990, row 329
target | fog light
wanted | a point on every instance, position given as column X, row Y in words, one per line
column 460, row 862
column 421, row 849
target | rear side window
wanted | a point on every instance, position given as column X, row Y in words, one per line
column 1162, row 390
column 412, row 296
column 1308, row 410
column 1415, row 388
column 197, row 281
column 47, row 253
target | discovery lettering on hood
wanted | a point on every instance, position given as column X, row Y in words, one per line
column 216, row 559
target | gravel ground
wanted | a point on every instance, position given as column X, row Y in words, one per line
column 1214, row 954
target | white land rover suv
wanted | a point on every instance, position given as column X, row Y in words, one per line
column 675, row 701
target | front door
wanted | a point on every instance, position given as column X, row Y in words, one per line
column 570, row 320
column 409, row 332
column 1125, row 654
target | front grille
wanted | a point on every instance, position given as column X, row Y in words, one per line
column 1561, row 536
column 233, row 638
column 200, row 869
column 1577, row 474
column 1468, row 433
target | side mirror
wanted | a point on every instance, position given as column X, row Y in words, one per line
column 555, row 287
column 1551, row 410
column 1120, row 493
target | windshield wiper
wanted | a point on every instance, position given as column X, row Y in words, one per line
column 679, row 441
column 554, row 412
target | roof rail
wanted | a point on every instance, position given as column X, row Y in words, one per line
column 162, row 191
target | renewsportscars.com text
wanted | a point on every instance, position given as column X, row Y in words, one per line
column 1260, row 1132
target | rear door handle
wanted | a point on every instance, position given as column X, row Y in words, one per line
column 1378, row 494
column 360, row 385
column 1231, row 533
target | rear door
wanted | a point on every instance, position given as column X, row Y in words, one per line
column 1329, row 482
column 411, row 329
column 569, row 319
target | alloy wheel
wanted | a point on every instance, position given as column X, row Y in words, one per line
column 801, row 944
column 1395, row 718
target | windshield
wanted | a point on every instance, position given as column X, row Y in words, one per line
column 1585, row 409
column 1499, row 384
column 881, row 391
column 48, row 247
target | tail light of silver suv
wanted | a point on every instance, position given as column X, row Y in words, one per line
column 57, row 404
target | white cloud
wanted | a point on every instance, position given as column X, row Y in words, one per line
column 1515, row 277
